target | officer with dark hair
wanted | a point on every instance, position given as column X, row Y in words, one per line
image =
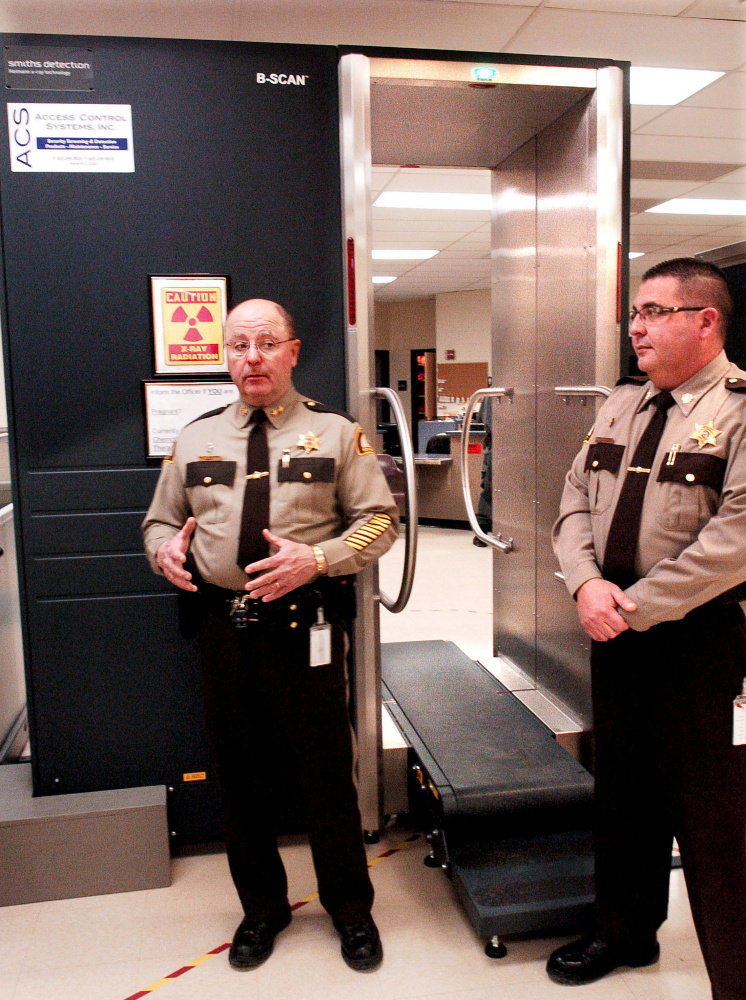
column 651, row 539
column 266, row 509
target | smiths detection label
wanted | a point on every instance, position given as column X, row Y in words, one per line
column 71, row 138
column 36, row 67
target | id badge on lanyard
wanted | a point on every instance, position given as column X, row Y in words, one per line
column 739, row 718
column 320, row 636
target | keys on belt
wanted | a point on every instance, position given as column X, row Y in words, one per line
column 243, row 609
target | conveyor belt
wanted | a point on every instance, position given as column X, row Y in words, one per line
column 489, row 752
column 511, row 807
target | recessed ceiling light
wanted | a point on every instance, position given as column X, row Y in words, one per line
column 431, row 199
column 635, row 253
column 664, row 87
column 404, row 254
column 383, row 280
column 701, row 206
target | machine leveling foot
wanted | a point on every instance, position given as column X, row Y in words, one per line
column 495, row 948
column 371, row 836
column 431, row 861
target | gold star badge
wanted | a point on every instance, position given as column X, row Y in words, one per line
column 705, row 434
column 308, row 442
column 277, row 411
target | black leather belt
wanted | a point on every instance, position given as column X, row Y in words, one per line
column 335, row 594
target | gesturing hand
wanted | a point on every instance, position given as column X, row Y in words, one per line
column 291, row 566
column 171, row 556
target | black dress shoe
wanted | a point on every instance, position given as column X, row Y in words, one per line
column 589, row 959
column 254, row 940
column 361, row 945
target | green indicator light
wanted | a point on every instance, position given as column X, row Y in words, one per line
column 485, row 74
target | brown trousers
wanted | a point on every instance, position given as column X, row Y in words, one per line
column 665, row 766
column 275, row 722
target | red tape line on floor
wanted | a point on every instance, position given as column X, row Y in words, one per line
column 295, row 906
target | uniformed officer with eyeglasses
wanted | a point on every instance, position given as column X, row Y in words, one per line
column 264, row 511
column 651, row 539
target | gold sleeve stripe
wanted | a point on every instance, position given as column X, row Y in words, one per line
column 362, row 537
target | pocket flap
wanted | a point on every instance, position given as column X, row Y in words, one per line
column 694, row 470
column 306, row 470
column 603, row 455
column 210, row 474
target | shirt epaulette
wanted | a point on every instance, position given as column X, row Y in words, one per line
column 736, row 384
column 311, row 404
column 632, row 380
column 210, row 413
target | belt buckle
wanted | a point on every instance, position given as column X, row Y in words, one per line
column 243, row 609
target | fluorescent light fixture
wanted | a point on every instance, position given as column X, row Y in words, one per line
column 664, row 87
column 429, row 200
column 635, row 253
column 404, row 254
column 383, row 280
column 701, row 206
column 485, row 74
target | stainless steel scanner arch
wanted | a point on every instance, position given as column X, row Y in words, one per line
column 552, row 133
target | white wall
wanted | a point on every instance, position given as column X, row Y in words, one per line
column 463, row 323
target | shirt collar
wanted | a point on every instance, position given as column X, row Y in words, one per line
column 689, row 393
column 276, row 414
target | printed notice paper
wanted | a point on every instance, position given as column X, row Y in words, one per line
column 71, row 138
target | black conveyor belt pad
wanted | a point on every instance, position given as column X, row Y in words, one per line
column 495, row 755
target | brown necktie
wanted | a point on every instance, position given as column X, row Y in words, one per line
column 624, row 532
column 255, row 514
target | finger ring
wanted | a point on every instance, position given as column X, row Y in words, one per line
column 277, row 584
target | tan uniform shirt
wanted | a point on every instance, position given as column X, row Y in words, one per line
column 326, row 488
column 692, row 544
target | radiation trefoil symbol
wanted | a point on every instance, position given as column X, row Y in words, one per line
column 180, row 315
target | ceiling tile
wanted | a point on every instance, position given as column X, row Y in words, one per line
column 672, row 170
column 716, row 123
column 721, row 189
column 416, row 24
column 644, row 40
column 666, row 7
column 727, row 92
column 642, row 114
column 661, row 190
column 729, row 10
column 682, row 149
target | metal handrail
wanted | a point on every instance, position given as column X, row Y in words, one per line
column 410, row 502
column 584, row 391
column 495, row 539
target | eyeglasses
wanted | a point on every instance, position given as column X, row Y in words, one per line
column 650, row 314
column 265, row 346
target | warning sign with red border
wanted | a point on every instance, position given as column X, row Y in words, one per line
column 188, row 318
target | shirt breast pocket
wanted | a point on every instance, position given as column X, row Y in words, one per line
column 307, row 487
column 602, row 462
column 691, row 487
column 209, row 486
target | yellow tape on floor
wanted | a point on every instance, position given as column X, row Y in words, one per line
column 295, row 906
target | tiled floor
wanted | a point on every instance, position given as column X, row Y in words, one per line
column 113, row 947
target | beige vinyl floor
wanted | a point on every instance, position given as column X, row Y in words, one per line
column 125, row 946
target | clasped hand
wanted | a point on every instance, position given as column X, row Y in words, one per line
column 598, row 601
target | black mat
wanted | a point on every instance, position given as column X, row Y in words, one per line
column 486, row 752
